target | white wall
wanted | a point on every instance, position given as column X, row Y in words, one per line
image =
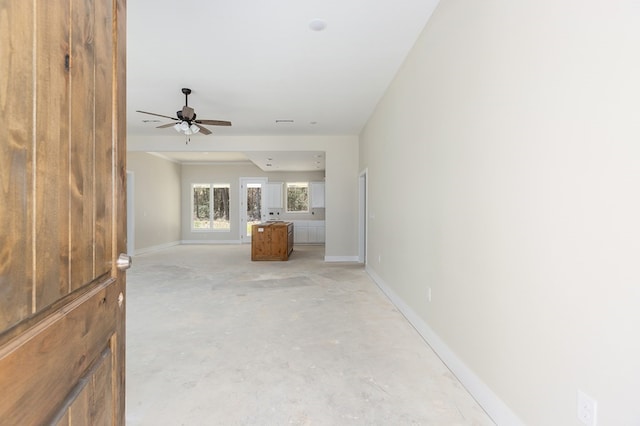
column 504, row 172
column 341, row 169
column 156, row 201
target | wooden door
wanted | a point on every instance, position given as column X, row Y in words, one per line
column 62, row 212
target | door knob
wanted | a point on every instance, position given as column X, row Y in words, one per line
column 124, row 262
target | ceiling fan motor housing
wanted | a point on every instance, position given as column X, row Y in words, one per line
column 187, row 116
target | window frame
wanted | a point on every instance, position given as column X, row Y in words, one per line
column 212, row 187
column 286, row 192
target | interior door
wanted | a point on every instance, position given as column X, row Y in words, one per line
column 252, row 205
column 62, row 210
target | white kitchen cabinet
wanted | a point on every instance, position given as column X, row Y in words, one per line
column 320, row 232
column 274, row 195
column 317, row 195
column 308, row 231
column 316, row 234
column 300, row 233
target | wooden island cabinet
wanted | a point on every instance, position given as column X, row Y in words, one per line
column 272, row 241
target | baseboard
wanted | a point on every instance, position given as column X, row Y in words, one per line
column 340, row 258
column 156, row 248
column 210, row 242
column 499, row 412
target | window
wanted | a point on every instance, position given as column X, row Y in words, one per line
column 297, row 197
column 210, row 207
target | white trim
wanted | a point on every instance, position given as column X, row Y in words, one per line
column 216, row 163
column 221, row 242
column 212, row 188
column 286, row 197
column 156, row 248
column 499, row 412
column 164, row 157
column 201, row 163
column 131, row 213
column 340, row 258
column 242, row 199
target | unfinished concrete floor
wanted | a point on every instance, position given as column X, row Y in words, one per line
column 215, row 339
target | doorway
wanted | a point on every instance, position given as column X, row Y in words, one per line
column 131, row 212
column 362, row 217
column 252, row 211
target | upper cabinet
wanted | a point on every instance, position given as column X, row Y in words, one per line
column 274, row 195
column 317, row 195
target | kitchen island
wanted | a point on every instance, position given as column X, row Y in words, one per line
column 272, row 240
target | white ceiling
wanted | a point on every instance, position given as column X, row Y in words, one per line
column 290, row 161
column 253, row 62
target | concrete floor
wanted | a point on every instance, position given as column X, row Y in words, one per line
column 215, row 339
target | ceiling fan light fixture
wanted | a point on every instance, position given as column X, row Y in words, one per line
column 186, row 121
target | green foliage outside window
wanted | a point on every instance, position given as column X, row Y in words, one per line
column 298, row 197
column 204, row 205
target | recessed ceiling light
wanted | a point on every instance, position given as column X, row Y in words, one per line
column 283, row 121
column 314, row 122
column 318, row 24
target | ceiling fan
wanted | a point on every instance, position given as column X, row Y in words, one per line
column 186, row 121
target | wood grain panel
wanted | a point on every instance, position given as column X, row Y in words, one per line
column 91, row 401
column 119, row 196
column 16, row 162
column 64, row 420
column 94, row 404
column 272, row 241
column 62, row 188
column 82, row 205
column 104, row 55
column 52, row 153
column 54, row 356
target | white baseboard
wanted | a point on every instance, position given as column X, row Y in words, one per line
column 210, row 242
column 156, row 248
column 499, row 412
column 340, row 258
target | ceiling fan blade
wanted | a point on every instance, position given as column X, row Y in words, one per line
column 187, row 113
column 166, row 125
column 214, row 122
column 203, row 129
column 158, row 115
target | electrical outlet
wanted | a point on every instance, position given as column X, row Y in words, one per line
column 379, row 258
column 587, row 409
column 429, row 294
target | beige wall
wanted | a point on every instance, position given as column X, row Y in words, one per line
column 503, row 168
column 156, row 201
